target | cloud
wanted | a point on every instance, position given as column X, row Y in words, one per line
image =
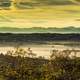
column 72, row 11
column 44, row 2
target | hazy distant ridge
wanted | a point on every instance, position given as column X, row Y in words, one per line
column 40, row 30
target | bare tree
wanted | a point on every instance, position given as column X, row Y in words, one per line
column 30, row 53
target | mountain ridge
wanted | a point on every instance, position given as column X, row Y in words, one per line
column 70, row 29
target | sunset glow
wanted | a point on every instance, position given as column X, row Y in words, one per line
column 42, row 16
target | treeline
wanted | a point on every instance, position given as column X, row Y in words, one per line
column 57, row 67
column 38, row 37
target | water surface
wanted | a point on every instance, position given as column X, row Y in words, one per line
column 41, row 49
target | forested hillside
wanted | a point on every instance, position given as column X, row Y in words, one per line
column 38, row 37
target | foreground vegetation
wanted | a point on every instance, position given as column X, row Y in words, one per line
column 24, row 65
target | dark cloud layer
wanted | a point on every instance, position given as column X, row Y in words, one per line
column 48, row 2
column 32, row 3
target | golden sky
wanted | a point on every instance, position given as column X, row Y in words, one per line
column 43, row 16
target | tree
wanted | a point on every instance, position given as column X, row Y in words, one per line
column 30, row 53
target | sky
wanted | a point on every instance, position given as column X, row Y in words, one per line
column 45, row 13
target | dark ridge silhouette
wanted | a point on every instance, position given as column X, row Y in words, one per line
column 38, row 37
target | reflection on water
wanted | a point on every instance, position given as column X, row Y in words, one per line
column 40, row 49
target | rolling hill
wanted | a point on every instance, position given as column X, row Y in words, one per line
column 39, row 30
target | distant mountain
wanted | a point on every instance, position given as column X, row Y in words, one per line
column 39, row 30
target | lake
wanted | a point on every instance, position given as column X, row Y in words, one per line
column 43, row 49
